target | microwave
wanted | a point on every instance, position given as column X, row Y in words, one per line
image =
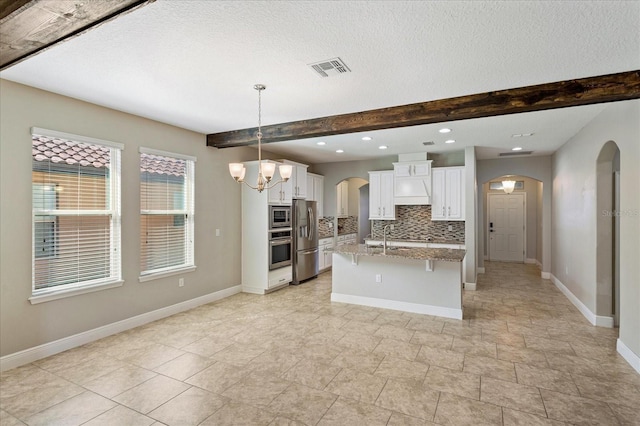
column 279, row 217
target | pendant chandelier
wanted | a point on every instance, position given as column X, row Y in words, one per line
column 266, row 169
column 508, row 186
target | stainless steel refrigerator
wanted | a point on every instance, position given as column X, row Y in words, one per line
column 305, row 240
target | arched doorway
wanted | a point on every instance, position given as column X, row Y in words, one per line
column 608, row 233
column 529, row 194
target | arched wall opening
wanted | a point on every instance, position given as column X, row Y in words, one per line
column 608, row 233
column 352, row 208
column 537, row 168
column 532, row 190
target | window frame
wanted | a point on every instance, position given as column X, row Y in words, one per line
column 52, row 220
column 188, row 212
column 115, row 220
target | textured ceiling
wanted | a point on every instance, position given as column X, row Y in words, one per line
column 193, row 64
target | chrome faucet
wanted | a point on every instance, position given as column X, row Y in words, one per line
column 384, row 237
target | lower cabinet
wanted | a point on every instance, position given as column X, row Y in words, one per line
column 324, row 259
column 347, row 239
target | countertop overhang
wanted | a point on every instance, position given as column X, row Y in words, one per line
column 417, row 253
column 410, row 241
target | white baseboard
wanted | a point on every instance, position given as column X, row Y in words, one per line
column 470, row 286
column 26, row 356
column 628, row 355
column 398, row 306
column 590, row 316
column 530, row 261
column 597, row 320
column 538, row 264
column 606, row 322
column 481, row 270
column 545, row 275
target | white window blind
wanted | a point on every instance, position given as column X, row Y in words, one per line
column 76, row 212
column 166, row 211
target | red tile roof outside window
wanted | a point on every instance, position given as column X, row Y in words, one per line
column 68, row 152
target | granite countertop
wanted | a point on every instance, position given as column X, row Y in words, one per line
column 418, row 253
column 404, row 240
column 320, row 237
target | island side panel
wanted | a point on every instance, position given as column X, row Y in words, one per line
column 405, row 286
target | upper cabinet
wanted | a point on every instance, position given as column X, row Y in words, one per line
column 448, row 193
column 281, row 193
column 412, row 182
column 342, row 199
column 298, row 179
column 381, row 205
column 315, row 191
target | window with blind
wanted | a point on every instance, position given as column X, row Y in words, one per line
column 75, row 212
column 166, row 212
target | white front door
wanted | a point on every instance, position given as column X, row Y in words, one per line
column 506, row 227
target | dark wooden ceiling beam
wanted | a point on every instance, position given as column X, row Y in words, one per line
column 585, row 91
column 29, row 27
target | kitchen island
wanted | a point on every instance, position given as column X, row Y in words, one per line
column 411, row 279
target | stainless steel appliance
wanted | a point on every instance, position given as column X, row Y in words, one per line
column 280, row 248
column 279, row 217
column 305, row 240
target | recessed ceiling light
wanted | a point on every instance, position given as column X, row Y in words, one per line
column 517, row 148
column 339, row 151
column 321, row 143
column 450, row 141
column 366, row 138
column 521, row 135
column 444, row 130
column 382, row 147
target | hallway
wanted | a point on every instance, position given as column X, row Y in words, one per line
column 523, row 355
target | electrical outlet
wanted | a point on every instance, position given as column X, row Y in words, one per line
column 392, row 227
column 450, row 227
column 181, row 282
column 217, row 232
column 378, row 278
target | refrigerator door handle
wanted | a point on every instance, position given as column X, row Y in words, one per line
column 311, row 222
column 310, row 251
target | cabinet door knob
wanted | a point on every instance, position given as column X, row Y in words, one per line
column 449, row 210
column 442, row 210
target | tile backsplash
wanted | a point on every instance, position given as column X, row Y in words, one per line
column 414, row 223
column 347, row 225
column 325, row 226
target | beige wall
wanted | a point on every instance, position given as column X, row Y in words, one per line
column 23, row 325
column 575, row 213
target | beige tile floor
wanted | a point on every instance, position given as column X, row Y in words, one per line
column 523, row 355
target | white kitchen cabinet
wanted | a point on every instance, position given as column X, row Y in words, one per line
column 447, row 193
column 282, row 193
column 381, row 204
column 315, row 191
column 256, row 276
column 347, row 239
column 342, row 199
column 326, row 246
column 412, row 183
column 298, row 179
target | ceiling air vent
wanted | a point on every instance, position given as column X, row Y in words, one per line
column 428, row 143
column 330, row 67
column 511, row 154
